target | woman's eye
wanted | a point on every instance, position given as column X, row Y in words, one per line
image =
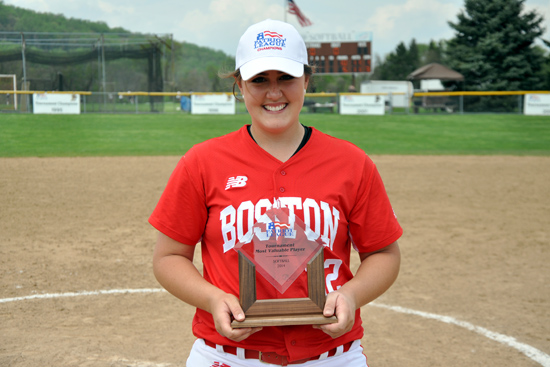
column 258, row 79
column 287, row 77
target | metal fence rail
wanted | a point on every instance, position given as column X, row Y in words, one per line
column 176, row 102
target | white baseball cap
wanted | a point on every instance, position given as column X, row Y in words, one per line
column 271, row 45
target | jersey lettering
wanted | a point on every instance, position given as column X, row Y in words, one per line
column 220, row 364
column 237, row 224
column 331, row 224
column 227, row 218
column 248, row 208
column 334, row 275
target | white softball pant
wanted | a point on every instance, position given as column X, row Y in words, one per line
column 204, row 356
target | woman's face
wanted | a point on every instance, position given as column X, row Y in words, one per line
column 274, row 99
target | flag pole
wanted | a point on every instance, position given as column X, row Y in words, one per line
column 284, row 10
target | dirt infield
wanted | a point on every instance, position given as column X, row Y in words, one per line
column 475, row 264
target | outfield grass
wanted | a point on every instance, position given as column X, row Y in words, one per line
column 130, row 135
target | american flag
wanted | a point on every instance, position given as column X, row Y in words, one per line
column 293, row 9
column 272, row 34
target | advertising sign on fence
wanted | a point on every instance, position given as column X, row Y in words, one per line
column 537, row 104
column 352, row 104
column 398, row 92
column 214, row 104
column 53, row 103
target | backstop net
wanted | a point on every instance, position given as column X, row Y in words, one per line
column 101, row 63
column 8, row 99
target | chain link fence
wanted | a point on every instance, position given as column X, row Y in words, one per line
column 180, row 103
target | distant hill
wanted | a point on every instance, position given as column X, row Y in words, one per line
column 195, row 67
column 15, row 19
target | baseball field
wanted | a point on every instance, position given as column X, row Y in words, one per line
column 471, row 192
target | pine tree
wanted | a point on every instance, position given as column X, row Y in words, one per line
column 434, row 53
column 399, row 63
column 413, row 57
column 493, row 46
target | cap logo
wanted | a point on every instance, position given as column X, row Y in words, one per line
column 268, row 40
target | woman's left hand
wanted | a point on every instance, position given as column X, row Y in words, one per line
column 377, row 272
column 343, row 307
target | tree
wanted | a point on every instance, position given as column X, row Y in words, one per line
column 493, row 46
column 398, row 64
column 546, row 73
column 434, row 53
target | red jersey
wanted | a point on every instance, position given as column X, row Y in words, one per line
column 222, row 186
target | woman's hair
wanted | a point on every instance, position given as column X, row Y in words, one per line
column 308, row 70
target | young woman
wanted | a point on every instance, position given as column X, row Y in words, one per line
column 221, row 187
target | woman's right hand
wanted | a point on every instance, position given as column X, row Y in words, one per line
column 224, row 308
column 175, row 271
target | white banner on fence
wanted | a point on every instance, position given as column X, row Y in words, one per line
column 399, row 93
column 361, row 105
column 213, row 104
column 53, row 103
column 536, row 104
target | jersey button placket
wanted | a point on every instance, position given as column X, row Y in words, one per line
column 283, row 173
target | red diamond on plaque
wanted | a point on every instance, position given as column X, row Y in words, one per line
column 281, row 247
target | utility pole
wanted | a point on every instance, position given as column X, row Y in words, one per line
column 24, row 86
column 103, row 71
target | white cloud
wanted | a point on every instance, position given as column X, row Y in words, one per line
column 224, row 21
column 423, row 20
column 218, row 24
column 543, row 9
column 111, row 8
column 37, row 5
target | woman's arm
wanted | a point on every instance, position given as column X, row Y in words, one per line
column 377, row 272
column 174, row 269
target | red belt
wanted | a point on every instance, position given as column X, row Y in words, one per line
column 271, row 357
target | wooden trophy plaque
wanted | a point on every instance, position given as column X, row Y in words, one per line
column 280, row 252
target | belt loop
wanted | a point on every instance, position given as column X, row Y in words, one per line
column 241, row 353
column 219, row 348
column 339, row 350
column 323, row 356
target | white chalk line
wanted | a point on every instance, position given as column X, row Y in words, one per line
column 82, row 293
column 531, row 352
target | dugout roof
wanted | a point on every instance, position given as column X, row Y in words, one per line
column 435, row 71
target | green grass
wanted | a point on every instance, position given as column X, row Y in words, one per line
column 23, row 135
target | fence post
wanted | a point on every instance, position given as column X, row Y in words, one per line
column 461, row 103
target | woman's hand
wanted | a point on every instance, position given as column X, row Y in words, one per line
column 343, row 307
column 377, row 272
column 174, row 269
column 224, row 309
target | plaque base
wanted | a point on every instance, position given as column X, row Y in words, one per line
column 261, row 321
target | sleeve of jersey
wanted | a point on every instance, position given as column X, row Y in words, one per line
column 373, row 224
column 181, row 211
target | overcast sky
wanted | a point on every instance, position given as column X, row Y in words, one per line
column 218, row 24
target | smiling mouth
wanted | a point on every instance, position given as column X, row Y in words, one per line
column 275, row 108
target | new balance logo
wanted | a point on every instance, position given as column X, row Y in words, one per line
column 234, row 182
